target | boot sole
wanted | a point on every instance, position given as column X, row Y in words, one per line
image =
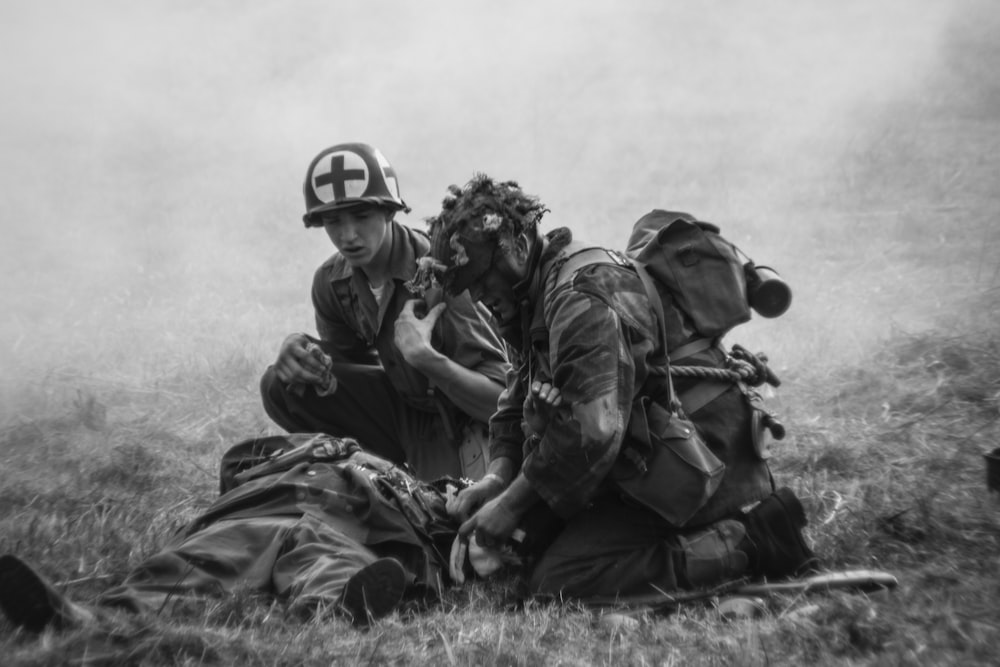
column 24, row 597
column 374, row 591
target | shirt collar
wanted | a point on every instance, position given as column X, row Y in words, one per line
column 402, row 258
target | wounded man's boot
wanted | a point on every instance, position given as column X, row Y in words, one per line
column 374, row 591
column 32, row 603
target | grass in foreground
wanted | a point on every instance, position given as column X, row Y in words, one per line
column 891, row 472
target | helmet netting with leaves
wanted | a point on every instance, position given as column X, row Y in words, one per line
column 482, row 212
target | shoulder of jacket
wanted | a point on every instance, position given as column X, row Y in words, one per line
column 574, row 257
column 419, row 239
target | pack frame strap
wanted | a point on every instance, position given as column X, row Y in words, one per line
column 653, row 296
column 702, row 394
column 565, row 267
column 692, row 348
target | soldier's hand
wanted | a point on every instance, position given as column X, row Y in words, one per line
column 458, row 559
column 413, row 333
column 468, row 501
column 492, row 525
column 300, row 361
column 539, row 406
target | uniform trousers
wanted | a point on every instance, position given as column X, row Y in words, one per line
column 367, row 407
column 610, row 549
column 294, row 558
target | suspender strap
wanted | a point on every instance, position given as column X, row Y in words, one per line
column 707, row 390
column 694, row 347
column 702, row 393
column 565, row 268
column 654, row 301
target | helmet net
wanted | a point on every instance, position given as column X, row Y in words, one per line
column 481, row 213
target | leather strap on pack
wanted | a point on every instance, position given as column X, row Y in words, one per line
column 692, row 348
column 654, row 301
column 702, row 393
column 707, row 390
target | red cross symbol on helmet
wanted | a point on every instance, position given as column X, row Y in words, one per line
column 340, row 175
column 349, row 174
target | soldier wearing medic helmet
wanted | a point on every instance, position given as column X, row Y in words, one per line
column 588, row 343
column 415, row 381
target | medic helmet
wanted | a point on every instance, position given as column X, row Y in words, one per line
column 347, row 175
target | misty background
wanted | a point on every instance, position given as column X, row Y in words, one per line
column 152, row 157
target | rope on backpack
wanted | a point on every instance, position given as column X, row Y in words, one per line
column 741, row 366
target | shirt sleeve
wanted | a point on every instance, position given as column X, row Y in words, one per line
column 592, row 365
column 506, row 432
column 470, row 339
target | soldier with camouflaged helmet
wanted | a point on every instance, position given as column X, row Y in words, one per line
column 588, row 342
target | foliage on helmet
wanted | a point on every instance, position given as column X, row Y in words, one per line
column 483, row 212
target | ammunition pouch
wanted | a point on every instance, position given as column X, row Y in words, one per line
column 665, row 464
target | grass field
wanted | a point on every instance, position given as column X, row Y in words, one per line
column 152, row 288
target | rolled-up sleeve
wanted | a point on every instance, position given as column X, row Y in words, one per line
column 470, row 339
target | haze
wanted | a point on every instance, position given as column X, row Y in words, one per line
column 153, row 153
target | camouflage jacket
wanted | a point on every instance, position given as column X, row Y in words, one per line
column 592, row 336
column 354, row 329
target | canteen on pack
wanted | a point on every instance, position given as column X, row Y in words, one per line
column 768, row 294
column 706, row 276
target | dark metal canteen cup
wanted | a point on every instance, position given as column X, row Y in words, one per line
column 768, row 294
column 993, row 470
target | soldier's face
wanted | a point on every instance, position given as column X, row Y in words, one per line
column 360, row 234
column 495, row 288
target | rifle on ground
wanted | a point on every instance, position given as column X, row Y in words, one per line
column 861, row 581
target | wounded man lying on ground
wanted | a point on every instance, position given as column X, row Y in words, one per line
column 318, row 524
column 308, row 519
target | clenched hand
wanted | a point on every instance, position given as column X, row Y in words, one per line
column 467, row 501
column 540, row 405
column 300, row 361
